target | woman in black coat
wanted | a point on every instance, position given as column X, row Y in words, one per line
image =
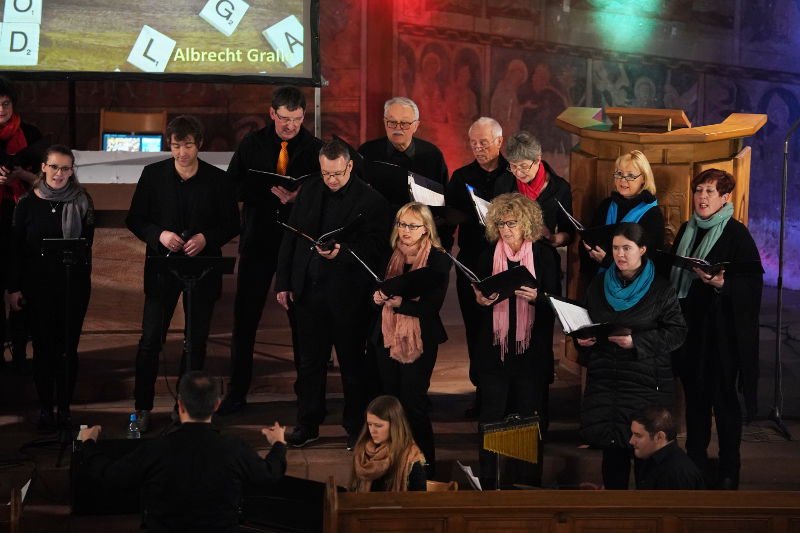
column 627, row 372
column 409, row 331
column 722, row 311
column 57, row 208
column 633, row 200
column 515, row 359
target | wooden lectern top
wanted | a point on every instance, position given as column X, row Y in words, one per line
column 587, row 123
column 640, row 118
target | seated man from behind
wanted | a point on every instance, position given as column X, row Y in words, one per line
column 191, row 479
column 663, row 464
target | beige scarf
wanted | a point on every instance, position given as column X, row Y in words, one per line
column 373, row 462
column 401, row 333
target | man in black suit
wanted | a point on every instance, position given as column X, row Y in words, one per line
column 181, row 206
column 285, row 147
column 400, row 147
column 483, row 175
column 329, row 290
column 192, row 479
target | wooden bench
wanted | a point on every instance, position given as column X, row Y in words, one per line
column 554, row 511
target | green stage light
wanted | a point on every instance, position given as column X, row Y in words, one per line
column 626, row 25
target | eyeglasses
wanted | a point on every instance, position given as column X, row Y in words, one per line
column 394, row 124
column 410, row 227
column 290, row 120
column 337, row 174
column 510, row 224
column 627, row 177
column 5, row 104
column 57, row 169
column 481, row 145
column 514, row 168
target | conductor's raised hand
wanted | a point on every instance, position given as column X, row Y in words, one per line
column 329, row 254
column 284, row 297
column 195, row 245
column 274, row 433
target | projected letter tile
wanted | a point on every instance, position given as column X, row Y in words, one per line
column 151, row 51
column 286, row 37
column 19, row 44
column 23, row 11
column 225, row 15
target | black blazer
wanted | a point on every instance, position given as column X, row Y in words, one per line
column 348, row 280
column 261, row 236
column 427, row 307
column 154, row 208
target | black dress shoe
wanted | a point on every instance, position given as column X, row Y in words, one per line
column 301, row 436
column 231, row 405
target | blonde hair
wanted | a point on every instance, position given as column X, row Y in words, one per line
column 641, row 164
column 526, row 211
column 424, row 213
column 388, row 409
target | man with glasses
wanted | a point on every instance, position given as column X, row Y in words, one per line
column 283, row 146
column 401, row 120
column 329, row 289
column 485, row 139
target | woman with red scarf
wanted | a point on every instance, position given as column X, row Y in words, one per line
column 409, row 331
column 515, row 360
column 17, row 158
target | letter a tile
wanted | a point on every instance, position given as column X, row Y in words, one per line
column 286, row 37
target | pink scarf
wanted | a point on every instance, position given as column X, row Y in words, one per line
column 401, row 333
column 525, row 311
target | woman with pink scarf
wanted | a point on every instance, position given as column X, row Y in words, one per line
column 409, row 331
column 514, row 361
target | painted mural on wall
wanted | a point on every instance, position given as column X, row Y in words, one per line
column 526, row 82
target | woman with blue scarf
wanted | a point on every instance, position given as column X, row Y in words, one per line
column 720, row 356
column 633, row 200
column 627, row 372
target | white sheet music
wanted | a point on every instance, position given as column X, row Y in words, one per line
column 571, row 316
column 481, row 205
column 472, row 478
column 424, row 196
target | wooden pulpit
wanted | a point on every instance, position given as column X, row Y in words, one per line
column 676, row 150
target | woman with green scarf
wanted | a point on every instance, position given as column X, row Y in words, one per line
column 720, row 356
column 57, row 208
column 627, row 372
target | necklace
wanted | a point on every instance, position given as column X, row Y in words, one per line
column 53, row 207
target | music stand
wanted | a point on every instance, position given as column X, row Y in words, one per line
column 189, row 271
column 515, row 437
column 67, row 253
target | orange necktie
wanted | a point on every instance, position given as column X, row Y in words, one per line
column 283, row 159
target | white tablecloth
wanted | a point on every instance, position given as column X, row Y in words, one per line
column 126, row 167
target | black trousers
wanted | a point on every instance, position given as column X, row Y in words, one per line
column 500, row 389
column 55, row 362
column 159, row 306
column 472, row 314
column 721, row 400
column 616, row 468
column 324, row 323
column 409, row 383
column 253, row 281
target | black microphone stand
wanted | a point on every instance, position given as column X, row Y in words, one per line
column 775, row 413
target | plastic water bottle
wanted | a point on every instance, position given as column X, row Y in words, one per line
column 133, row 428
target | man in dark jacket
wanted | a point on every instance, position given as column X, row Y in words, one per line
column 401, row 148
column 329, row 290
column 663, row 464
column 483, row 175
column 180, row 206
column 285, row 147
column 192, row 479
